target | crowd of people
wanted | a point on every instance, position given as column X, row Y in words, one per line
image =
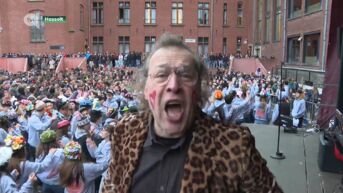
column 253, row 98
column 40, row 61
column 56, row 129
column 109, row 59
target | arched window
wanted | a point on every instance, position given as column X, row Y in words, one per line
column 37, row 26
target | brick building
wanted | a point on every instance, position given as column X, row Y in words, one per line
column 23, row 29
column 293, row 32
column 221, row 26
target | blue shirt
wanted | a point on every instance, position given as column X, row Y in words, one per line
column 36, row 125
column 299, row 108
column 9, row 186
column 51, row 174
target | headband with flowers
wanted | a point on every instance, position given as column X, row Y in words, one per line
column 15, row 142
column 72, row 150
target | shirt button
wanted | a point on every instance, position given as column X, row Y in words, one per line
column 162, row 188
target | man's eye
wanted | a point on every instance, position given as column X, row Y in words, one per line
column 161, row 75
column 186, row 75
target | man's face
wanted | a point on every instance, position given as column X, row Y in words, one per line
column 172, row 101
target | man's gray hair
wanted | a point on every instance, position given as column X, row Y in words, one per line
column 171, row 40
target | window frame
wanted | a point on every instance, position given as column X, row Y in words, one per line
column 82, row 17
column 98, row 44
column 240, row 13
column 150, row 42
column 97, row 13
column 225, row 15
column 238, row 44
column 305, row 48
column 177, row 10
column 294, row 39
column 294, row 14
column 315, row 7
column 259, row 21
column 37, row 31
column 268, row 21
column 124, row 7
column 125, row 42
column 203, row 13
column 150, row 10
column 277, row 21
column 224, row 45
column 203, row 43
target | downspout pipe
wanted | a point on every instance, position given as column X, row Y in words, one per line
column 284, row 31
column 89, row 24
column 254, row 27
column 212, row 24
column 325, row 29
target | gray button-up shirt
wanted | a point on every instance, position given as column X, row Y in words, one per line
column 161, row 165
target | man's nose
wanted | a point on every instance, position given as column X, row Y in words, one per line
column 173, row 83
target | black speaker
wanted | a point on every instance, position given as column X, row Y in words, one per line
column 326, row 158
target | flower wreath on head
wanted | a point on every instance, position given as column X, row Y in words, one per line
column 15, row 142
column 72, row 150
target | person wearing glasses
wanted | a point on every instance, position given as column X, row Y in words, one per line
column 172, row 146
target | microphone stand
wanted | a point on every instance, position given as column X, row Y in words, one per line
column 279, row 155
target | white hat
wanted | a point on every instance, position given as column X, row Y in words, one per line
column 6, row 154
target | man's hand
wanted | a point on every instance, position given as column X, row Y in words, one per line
column 32, row 177
column 90, row 143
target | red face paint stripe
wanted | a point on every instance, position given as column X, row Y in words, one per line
column 152, row 97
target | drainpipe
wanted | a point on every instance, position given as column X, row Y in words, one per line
column 1, row 29
column 253, row 27
column 325, row 28
column 212, row 20
column 284, row 31
column 89, row 24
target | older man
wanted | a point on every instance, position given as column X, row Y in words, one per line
column 173, row 146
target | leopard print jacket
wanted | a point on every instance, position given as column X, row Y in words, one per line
column 220, row 159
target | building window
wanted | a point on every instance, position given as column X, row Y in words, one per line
column 203, row 10
column 177, row 13
column 267, row 35
column 294, row 8
column 149, row 42
column 239, row 13
column 202, row 45
column 82, row 17
column 98, row 13
column 259, row 22
column 224, row 45
column 124, row 44
column 225, row 22
column 293, row 50
column 311, row 49
column 239, row 44
column 312, row 5
column 98, row 44
column 150, row 12
column 124, row 12
column 37, row 29
column 277, row 21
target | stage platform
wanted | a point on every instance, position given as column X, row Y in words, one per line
column 299, row 172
